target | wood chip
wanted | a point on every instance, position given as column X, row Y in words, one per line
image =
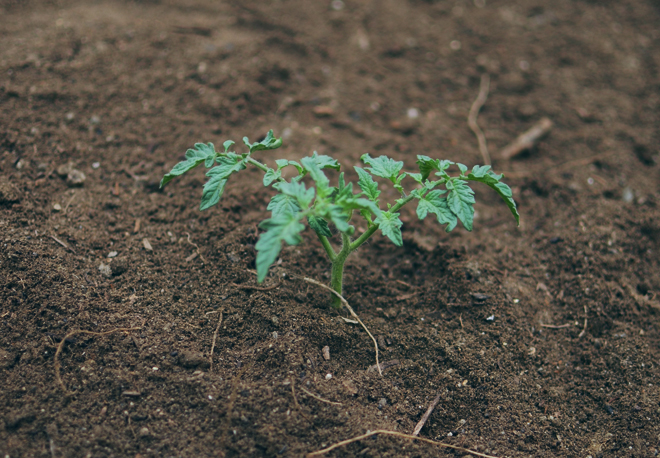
column 136, row 229
column 133, row 394
column 147, row 245
column 326, row 353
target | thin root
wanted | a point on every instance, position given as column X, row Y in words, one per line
column 584, row 330
column 60, row 347
column 394, row 433
column 215, row 337
column 295, row 401
column 353, row 314
column 474, row 112
column 320, row 398
column 426, row 416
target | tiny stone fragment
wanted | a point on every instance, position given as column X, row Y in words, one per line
column 350, row 387
column 147, row 245
column 191, row 359
column 75, row 178
column 326, row 353
column 105, row 270
column 57, row 207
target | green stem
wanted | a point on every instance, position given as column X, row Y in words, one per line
column 369, row 232
column 336, row 281
column 328, row 248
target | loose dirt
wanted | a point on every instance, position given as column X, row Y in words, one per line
column 543, row 339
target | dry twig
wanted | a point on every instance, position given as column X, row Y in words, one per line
column 63, row 244
column 60, row 347
column 319, row 397
column 295, row 400
column 215, row 337
column 474, row 112
column 527, row 139
column 584, row 330
column 353, row 314
column 397, row 434
column 196, row 247
column 552, row 326
column 426, row 416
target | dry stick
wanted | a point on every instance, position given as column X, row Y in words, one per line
column 319, row 397
column 353, row 314
column 527, row 139
column 474, row 112
column 394, row 433
column 60, row 347
column 552, row 326
column 63, row 244
column 426, row 416
column 215, row 337
column 584, row 330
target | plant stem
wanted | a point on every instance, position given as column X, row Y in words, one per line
column 337, row 278
column 328, row 248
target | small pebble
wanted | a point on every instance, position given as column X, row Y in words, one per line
column 112, row 254
column 57, row 207
column 326, row 353
column 328, row 376
column 75, row 178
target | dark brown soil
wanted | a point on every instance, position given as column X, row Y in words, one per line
column 493, row 320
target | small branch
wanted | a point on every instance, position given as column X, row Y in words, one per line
column 353, row 314
column 328, row 248
column 426, row 416
column 552, row 326
column 474, row 112
column 320, row 398
column 397, row 434
column 215, row 337
column 63, row 244
column 584, row 330
column 527, row 140
column 60, row 347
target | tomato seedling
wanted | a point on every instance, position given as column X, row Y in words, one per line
column 322, row 205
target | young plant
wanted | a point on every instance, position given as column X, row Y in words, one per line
column 322, row 205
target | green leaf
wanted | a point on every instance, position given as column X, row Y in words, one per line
column 462, row 167
column 415, row 176
column 268, row 143
column 228, row 144
column 434, row 203
column 229, row 163
column 383, row 166
column 483, row 174
column 303, row 196
column 319, row 225
column 428, row 165
column 271, row 175
column 213, row 190
column 461, row 201
column 284, row 228
column 282, row 204
column 390, row 225
column 368, row 185
column 322, row 183
column 338, row 217
column 325, row 162
column 199, row 153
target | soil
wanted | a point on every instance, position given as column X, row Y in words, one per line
column 542, row 340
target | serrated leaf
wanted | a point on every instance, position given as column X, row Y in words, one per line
column 325, row 162
column 212, row 192
column 340, row 219
column 268, row 143
column 427, row 166
column 415, row 176
column 319, row 225
column 228, row 163
column 390, row 225
column 322, row 183
column 228, row 144
column 461, row 201
column 462, row 167
column 367, row 184
column 282, row 204
column 284, row 228
column 199, row 153
column 433, row 202
column 483, row 174
column 383, row 166
column 271, row 175
column 297, row 190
